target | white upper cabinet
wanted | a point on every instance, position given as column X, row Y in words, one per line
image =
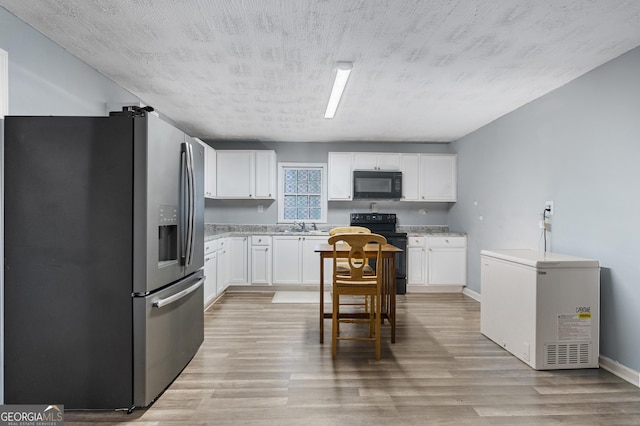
column 438, row 177
column 209, row 172
column 376, row 161
column 265, row 174
column 245, row 174
column 425, row 177
column 410, row 168
column 340, row 176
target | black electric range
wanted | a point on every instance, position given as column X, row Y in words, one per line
column 385, row 225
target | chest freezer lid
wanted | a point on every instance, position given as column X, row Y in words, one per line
column 541, row 260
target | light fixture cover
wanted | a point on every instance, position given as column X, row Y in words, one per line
column 342, row 75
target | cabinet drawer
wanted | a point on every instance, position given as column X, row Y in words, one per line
column 210, row 246
column 260, row 240
column 439, row 242
column 416, row 241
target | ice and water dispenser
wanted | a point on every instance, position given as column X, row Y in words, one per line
column 168, row 234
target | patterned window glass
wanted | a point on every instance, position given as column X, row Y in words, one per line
column 302, row 193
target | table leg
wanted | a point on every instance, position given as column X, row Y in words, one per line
column 321, row 299
column 392, row 308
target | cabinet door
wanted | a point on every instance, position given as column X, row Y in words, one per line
column 311, row 260
column 222, row 275
column 209, row 172
column 388, row 161
column 340, row 176
column 261, row 264
column 265, row 174
column 238, row 261
column 287, row 265
column 416, row 265
column 376, row 161
column 235, row 174
column 410, row 167
column 438, row 178
column 365, row 161
column 447, row 260
column 447, row 266
column 210, row 273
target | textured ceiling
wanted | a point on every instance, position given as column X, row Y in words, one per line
column 431, row 70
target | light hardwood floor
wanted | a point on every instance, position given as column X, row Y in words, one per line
column 262, row 364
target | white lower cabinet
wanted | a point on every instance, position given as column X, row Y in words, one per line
column 287, row 265
column 222, row 277
column 210, row 271
column 295, row 261
column 447, row 260
column 238, row 260
column 311, row 260
column 436, row 261
column 261, row 259
column 416, row 260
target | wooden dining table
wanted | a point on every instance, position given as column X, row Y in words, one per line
column 388, row 282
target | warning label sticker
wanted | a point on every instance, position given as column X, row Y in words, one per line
column 574, row 326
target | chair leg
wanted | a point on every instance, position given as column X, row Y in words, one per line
column 334, row 323
column 372, row 317
column 378, row 315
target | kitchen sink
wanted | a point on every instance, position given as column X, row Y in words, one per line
column 308, row 232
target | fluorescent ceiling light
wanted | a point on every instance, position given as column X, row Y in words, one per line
column 342, row 75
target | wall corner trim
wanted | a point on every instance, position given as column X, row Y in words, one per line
column 4, row 83
column 472, row 294
column 622, row 371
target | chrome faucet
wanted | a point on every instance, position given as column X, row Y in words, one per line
column 302, row 225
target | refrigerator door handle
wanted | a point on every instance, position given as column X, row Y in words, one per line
column 192, row 203
column 188, row 197
column 167, row 300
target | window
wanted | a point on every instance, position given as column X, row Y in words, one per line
column 302, row 195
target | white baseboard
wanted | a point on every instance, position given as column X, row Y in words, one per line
column 434, row 288
column 270, row 288
column 622, row 371
column 472, row 294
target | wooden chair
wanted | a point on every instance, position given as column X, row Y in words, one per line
column 356, row 283
column 343, row 265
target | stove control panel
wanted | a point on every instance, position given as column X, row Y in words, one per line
column 382, row 218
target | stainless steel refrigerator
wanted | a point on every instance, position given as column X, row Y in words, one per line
column 104, row 241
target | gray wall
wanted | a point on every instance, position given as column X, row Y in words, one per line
column 44, row 79
column 580, row 147
column 246, row 211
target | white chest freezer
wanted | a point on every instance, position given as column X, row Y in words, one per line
column 544, row 308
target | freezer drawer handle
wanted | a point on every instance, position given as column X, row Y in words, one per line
column 164, row 302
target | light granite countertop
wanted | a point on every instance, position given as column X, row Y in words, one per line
column 216, row 231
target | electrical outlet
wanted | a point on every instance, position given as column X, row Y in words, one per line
column 548, row 205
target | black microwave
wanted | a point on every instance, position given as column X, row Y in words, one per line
column 377, row 184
